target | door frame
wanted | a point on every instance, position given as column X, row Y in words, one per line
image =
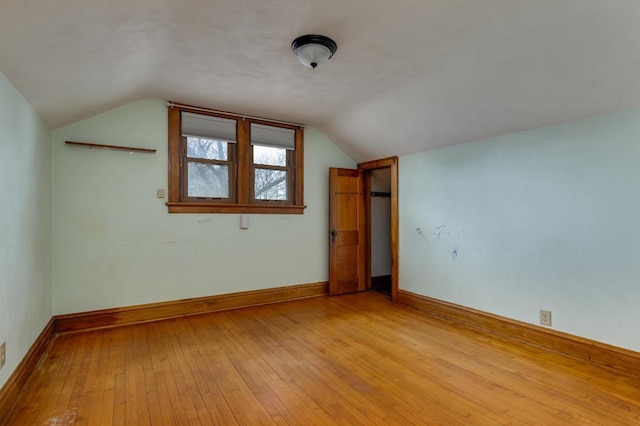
column 367, row 167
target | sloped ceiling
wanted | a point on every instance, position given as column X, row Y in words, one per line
column 408, row 76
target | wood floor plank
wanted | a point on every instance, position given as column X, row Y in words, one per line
column 353, row 359
column 118, row 343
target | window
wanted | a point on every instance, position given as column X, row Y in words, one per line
column 272, row 150
column 208, row 150
column 222, row 163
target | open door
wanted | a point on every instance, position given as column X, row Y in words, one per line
column 346, row 231
column 367, row 167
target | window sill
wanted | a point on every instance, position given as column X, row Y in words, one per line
column 182, row 207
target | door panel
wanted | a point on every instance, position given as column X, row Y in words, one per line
column 346, row 231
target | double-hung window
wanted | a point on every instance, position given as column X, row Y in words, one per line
column 208, row 147
column 223, row 163
column 272, row 152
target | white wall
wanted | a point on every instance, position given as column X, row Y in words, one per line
column 381, row 224
column 25, row 226
column 116, row 245
column 543, row 219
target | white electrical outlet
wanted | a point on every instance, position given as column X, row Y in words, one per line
column 545, row 317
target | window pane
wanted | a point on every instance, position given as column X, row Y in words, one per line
column 209, row 149
column 270, row 184
column 208, row 180
column 269, row 156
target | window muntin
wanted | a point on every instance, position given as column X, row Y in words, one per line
column 222, row 163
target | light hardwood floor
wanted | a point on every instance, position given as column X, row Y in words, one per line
column 354, row 359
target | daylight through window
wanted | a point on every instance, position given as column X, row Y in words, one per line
column 221, row 163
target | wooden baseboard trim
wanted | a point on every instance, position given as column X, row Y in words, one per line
column 619, row 359
column 157, row 311
column 11, row 390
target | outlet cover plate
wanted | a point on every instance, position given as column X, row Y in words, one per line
column 545, row 317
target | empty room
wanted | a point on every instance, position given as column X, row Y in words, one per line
column 319, row 212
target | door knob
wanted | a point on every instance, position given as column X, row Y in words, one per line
column 333, row 235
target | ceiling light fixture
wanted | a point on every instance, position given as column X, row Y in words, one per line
column 313, row 50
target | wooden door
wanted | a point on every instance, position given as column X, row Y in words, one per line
column 346, row 231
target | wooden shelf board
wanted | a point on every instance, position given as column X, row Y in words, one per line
column 116, row 147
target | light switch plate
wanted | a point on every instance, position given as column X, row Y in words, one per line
column 244, row 221
column 160, row 193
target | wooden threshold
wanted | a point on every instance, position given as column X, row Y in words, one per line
column 620, row 360
column 11, row 390
column 179, row 308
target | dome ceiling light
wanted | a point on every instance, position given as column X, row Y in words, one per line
column 313, row 50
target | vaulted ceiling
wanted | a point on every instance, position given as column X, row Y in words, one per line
column 408, row 76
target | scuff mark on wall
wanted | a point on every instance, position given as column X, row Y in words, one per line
column 421, row 233
column 441, row 232
column 454, row 254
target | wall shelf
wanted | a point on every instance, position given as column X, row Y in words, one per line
column 116, row 147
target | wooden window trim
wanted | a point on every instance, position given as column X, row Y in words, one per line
column 243, row 169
